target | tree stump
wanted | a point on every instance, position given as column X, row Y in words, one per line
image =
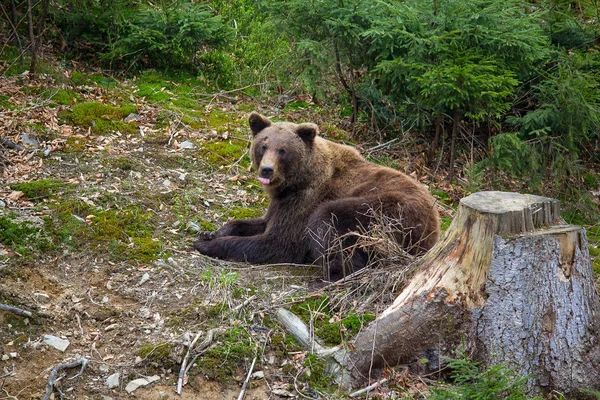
column 512, row 281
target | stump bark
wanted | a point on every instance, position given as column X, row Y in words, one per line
column 512, row 281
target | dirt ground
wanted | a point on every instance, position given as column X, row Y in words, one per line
column 116, row 312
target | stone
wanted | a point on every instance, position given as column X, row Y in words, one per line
column 42, row 297
column 113, row 380
column 145, row 278
column 14, row 355
column 5, row 357
column 29, row 140
column 131, row 117
column 135, row 384
column 187, row 145
column 56, row 342
column 258, row 375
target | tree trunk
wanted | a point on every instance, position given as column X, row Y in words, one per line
column 455, row 131
column 512, row 281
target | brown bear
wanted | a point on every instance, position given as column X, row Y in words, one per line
column 319, row 191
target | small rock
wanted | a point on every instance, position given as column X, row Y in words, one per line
column 194, row 227
column 131, row 117
column 166, row 183
column 2, row 204
column 42, row 297
column 176, row 224
column 181, row 177
column 56, row 342
column 258, row 375
column 14, row 355
column 107, row 398
column 133, row 385
column 140, row 150
column 113, row 380
column 103, row 368
column 29, row 140
column 5, row 357
column 145, row 277
column 105, row 299
column 47, row 151
column 187, row 145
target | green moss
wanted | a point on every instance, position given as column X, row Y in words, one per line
column 122, row 163
column 234, row 351
column 207, row 226
column 315, row 373
column 296, row 105
column 103, row 118
column 331, row 333
column 226, row 152
column 22, row 237
column 40, row 189
column 244, row 212
column 155, row 352
column 60, row 96
column 83, row 79
column 6, row 104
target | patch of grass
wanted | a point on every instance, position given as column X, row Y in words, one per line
column 20, row 236
column 221, row 153
column 103, row 118
column 331, row 333
column 244, row 213
column 470, row 382
column 235, row 350
column 75, row 144
column 6, row 104
column 40, row 189
column 62, row 97
column 155, row 352
column 83, row 79
column 125, row 234
column 120, row 163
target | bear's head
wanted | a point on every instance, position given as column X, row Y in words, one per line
column 281, row 152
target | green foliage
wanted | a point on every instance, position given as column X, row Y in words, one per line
column 566, row 118
column 169, row 34
column 470, row 383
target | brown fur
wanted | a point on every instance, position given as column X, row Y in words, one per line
column 319, row 190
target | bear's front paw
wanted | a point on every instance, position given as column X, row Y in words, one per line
column 206, row 236
column 203, row 246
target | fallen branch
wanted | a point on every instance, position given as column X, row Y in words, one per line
column 10, row 144
column 15, row 310
column 368, row 388
column 244, row 304
column 52, row 380
column 185, row 367
column 182, row 371
column 245, row 385
column 334, row 356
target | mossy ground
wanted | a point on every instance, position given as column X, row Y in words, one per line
column 101, row 118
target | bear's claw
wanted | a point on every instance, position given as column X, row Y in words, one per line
column 206, row 235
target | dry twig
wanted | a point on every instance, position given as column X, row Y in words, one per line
column 245, row 385
column 52, row 380
column 16, row 310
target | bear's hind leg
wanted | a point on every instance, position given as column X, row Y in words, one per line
column 331, row 231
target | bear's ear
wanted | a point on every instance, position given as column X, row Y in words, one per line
column 307, row 132
column 258, row 122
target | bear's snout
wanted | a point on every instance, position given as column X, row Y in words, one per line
column 266, row 172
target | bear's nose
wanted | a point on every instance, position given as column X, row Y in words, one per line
column 266, row 172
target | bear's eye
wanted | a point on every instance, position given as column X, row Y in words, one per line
column 281, row 152
column 264, row 148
